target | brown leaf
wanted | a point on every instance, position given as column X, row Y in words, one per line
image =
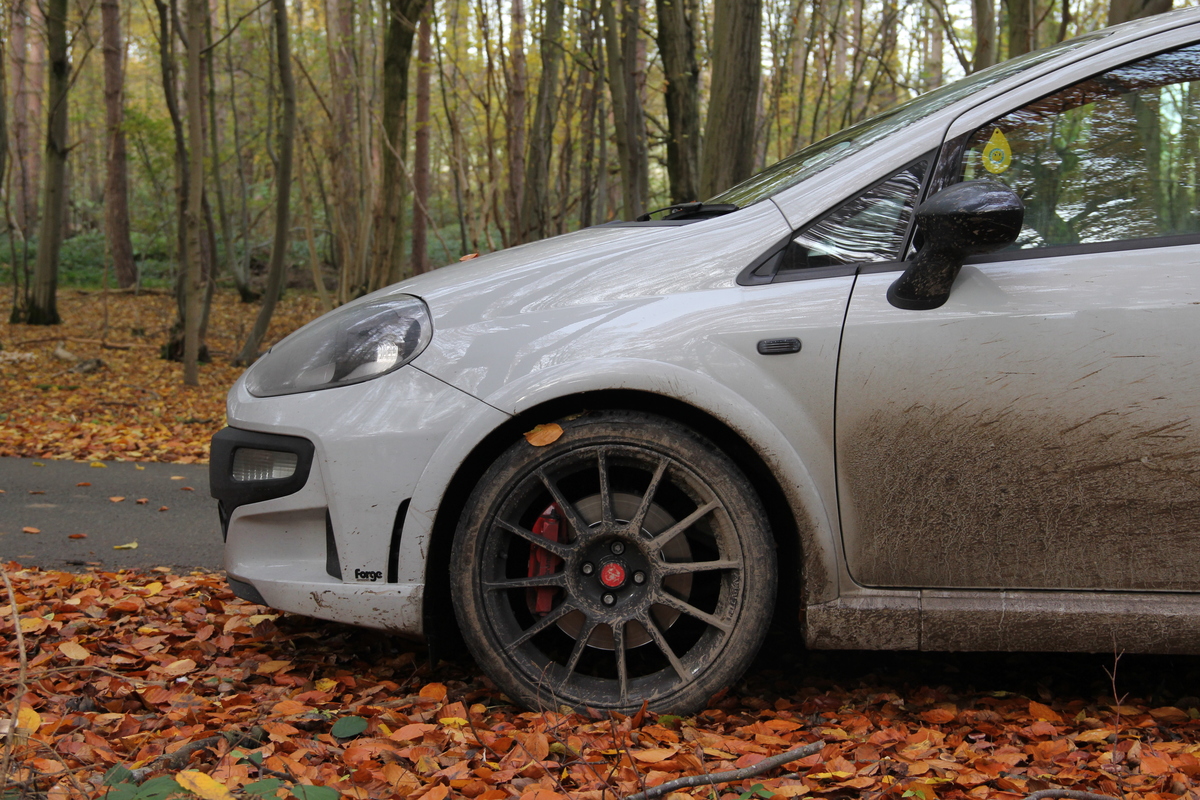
column 116, row 499
column 30, row 529
column 543, row 435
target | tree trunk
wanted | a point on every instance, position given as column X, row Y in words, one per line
column 1125, row 10
column 677, row 20
column 737, row 64
column 28, row 53
column 283, row 184
column 116, row 187
column 620, row 38
column 421, row 140
column 402, row 16
column 535, row 217
column 43, row 306
column 983, row 15
column 515, row 110
column 343, row 166
column 591, row 109
column 193, row 283
column 1021, row 27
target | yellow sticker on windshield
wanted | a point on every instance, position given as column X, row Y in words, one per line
column 997, row 155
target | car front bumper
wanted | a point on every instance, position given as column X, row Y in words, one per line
column 334, row 539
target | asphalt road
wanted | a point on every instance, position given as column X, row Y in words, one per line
column 66, row 499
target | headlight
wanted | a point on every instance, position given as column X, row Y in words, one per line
column 350, row 345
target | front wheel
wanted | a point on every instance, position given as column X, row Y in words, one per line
column 627, row 561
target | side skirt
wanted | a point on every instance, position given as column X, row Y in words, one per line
column 1007, row 620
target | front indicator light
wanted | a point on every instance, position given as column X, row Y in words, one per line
column 263, row 465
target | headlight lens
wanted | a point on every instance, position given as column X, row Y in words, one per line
column 353, row 344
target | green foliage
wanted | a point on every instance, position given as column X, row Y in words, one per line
column 348, row 727
column 757, row 790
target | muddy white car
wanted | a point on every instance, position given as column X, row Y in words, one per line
column 927, row 384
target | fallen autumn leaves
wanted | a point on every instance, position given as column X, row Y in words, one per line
column 134, row 407
column 128, row 669
column 166, row 683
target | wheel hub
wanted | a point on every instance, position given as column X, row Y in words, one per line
column 613, row 574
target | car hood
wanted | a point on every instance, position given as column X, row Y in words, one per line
column 527, row 298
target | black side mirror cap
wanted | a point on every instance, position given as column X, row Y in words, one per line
column 965, row 219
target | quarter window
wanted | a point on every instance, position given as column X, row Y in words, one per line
column 1115, row 157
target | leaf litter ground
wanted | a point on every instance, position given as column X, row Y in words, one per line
column 164, row 683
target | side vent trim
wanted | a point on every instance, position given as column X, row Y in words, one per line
column 393, row 561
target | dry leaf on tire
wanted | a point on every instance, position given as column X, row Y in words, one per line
column 543, row 435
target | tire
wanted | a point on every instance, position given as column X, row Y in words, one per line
column 664, row 596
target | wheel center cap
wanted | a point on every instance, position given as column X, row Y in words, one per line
column 612, row 574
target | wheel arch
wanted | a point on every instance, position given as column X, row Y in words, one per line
column 801, row 555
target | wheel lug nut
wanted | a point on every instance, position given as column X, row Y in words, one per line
column 618, row 548
column 639, row 578
column 609, row 599
column 588, row 568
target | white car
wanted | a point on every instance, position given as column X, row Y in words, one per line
column 927, row 384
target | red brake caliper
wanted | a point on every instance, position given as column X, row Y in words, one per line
column 543, row 562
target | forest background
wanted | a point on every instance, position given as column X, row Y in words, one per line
column 343, row 145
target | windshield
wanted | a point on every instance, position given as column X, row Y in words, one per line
column 789, row 171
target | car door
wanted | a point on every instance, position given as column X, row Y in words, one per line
column 1039, row 430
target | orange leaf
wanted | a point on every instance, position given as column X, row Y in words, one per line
column 655, row 754
column 433, row 691
column 77, row 536
column 1043, row 713
column 116, row 499
column 29, row 529
column 543, row 435
column 141, row 501
column 180, row 667
column 83, row 483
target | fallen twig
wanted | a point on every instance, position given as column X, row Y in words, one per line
column 177, row 760
column 1067, row 794
column 757, row 769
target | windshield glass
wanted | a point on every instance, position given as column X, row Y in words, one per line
column 789, row 171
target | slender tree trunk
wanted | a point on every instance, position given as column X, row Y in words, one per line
column 677, row 20
column 535, row 217
column 193, row 284
column 935, row 51
column 983, row 15
column 402, row 16
column 241, row 277
column 343, row 166
column 593, row 90
column 28, row 53
column 421, row 140
column 620, row 37
column 1021, row 27
column 116, row 187
column 283, row 184
column 515, row 111
column 43, row 306
column 737, row 64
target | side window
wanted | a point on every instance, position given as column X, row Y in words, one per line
column 871, row 226
column 1114, row 157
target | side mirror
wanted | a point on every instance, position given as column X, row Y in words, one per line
column 965, row 219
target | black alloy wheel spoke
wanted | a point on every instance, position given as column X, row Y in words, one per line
column 666, row 568
column 618, row 634
column 559, row 549
column 665, row 599
column 574, row 518
column 661, row 643
column 560, row 611
column 635, row 524
column 662, row 539
column 534, row 581
column 581, row 643
column 606, row 502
